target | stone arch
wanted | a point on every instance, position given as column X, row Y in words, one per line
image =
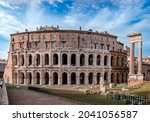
column 73, row 59
column 105, row 60
column 46, row 78
column 105, row 76
column 90, row 78
column 38, row 77
column 112, row 61
column 29, row 76
column 29, row 60
column 82, row 60
column 22, row 78
column 98, row 77
column 118, row 78
column 98, row 60
column 64, row 59
column 73, row 78
column 15, row 59
column 82, row 78
column 22, row 60
column 15, row 78
column 64, row 78
column 55, row 78
column 90, row 59
column 46, row 59
column 37, row 59
column 112, row 78
column 117, row 61
column 55, row 59
column 122, row 61
column 122, row 78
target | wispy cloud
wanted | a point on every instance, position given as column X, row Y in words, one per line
column 119, row 17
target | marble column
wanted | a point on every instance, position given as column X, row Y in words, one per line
column 140, row 59
column 131, row 59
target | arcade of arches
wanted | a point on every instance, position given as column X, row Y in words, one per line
column 101, row 68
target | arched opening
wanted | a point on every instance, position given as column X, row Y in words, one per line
column 37, row 60
column 15, row 78
column 112, row 61
column 90, row 59
column 82, row 60
column 30, row 60
column 55, row 78
column 30, row 78
column 144, row 76
column 64, row 78
column 46, row 59
column 118, row 78
column 22, row 60
column 105, row 60
column 98, row 60
column 73, row 78
column 82, row 78
column 15, row 60
column 46, row 78
column 105, row 76
column 73, row 59
column 98, row 78
column 55, row 59
column 112, row 78
column 38, row 78
column 90, row 78
column 122, row 61
column 122, row 78
column 64, row 59
column 117, row 61
column 22, row 78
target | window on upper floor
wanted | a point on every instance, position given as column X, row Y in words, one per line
column 102, row 46
column 21, row 45
column 108, row 47
column 53, row 44
column 94, row 46
column 47, row 44
column 74, row 44
column 36, row 44
column 63, row 44
column 29, row 45
column 84, row 45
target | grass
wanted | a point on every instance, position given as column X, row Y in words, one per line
column 137, row 90
column 93, row 99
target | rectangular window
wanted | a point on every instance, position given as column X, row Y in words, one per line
column 21, row 45
column 63, row 44
column 102, row 46
column 47, row 44
column 52, row 44
column 29, row 45
column 84, row 45
column 74, row 44
column 94, row 46
column 108, row 47
column 36, row 44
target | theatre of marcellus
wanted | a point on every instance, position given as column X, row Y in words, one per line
column 51, row 56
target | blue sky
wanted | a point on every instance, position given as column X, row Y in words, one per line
column 118, row 17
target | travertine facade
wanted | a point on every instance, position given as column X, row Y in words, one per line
column 50, row 56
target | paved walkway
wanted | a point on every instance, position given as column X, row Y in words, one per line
column 28, row 97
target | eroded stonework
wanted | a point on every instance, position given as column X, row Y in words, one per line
column 50, row 56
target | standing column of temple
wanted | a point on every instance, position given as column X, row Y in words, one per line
column 140, row 59
column 131, row 72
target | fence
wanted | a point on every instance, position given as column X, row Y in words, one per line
column 130, row 99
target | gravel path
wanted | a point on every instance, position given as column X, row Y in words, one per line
column 28, row 97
